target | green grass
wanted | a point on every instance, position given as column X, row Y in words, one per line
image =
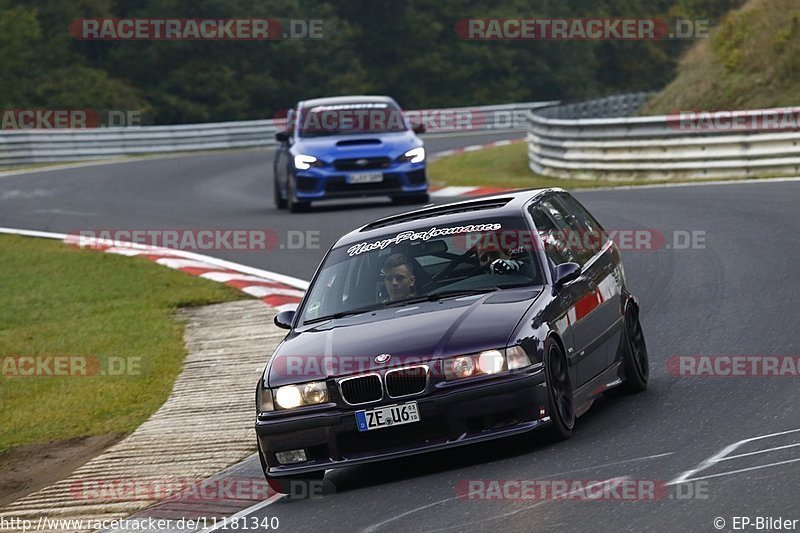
column 750, row 61
column 501, row 166
column 507, row 167
column 59, row 300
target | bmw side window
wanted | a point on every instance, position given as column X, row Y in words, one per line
column 593, row 235
column 571, row 230
column 555, row 248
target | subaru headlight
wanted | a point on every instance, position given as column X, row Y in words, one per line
column 485, row 363
column 415, row 155
column 304, row 162
column 291, row 396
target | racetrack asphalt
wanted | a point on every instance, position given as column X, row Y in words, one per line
column 736, row 294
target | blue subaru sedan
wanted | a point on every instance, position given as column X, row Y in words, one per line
column 348, row 147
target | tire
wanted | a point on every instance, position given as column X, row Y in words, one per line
column 295, row 486
column 293, row 205
column 635, row 361
column 280, row 202
column 559, row 394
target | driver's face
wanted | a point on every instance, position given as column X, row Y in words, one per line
column 398, row 281
column 485, row 257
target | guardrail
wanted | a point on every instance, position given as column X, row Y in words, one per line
column 23, row 147
column 684, row 145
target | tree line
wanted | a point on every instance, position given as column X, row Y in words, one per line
column 407, row 49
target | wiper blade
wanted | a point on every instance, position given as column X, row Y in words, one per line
column 418, row 299
column 516, row 285
column 341, row 314
column 444, row 294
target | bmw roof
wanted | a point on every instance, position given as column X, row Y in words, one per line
column 510, row 203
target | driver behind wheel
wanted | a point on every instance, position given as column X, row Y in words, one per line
column 398, row 277
column 495, row 260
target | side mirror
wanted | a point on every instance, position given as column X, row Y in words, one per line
column 284, row 319
column 282, row 136
column 566, row 272
column 419, row 128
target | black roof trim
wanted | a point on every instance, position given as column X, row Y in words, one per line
column 430, row 212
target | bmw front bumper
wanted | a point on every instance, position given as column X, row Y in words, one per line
column 451, row 416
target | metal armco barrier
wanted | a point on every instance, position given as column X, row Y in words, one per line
column 24, row 147
column 569, row 141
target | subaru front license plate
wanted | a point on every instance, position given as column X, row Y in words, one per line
column 365, row 177
column 384, row 417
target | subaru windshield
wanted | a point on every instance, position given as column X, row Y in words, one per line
column 351, row 119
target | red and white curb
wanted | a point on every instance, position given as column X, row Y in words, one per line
column 466, row 191
column 276, row 290
column 469, row 191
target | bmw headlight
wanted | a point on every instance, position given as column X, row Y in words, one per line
column 485, row 363
column 291, row 396
column 264, row 402
column 304, row 162
column 415, row 155
column 517, row 357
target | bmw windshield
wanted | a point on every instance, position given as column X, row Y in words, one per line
column 427, row 263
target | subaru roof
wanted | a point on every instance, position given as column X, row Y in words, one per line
column 334, row 100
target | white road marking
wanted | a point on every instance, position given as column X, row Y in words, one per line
column 243, row 513
column 615, row 463
column 15, row 194
column 222, row 277
column 376, row 526
column 125, row 251
column 259, row 291
column 744, row 470
column 118, row 160
column 759, row 451
column 725, row 452
column 217, row 263
column 66, row 212
column 184, row 263
column 533, row 506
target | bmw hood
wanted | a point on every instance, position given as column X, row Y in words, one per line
column 429, row 331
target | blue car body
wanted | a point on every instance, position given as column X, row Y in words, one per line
column 365, row 159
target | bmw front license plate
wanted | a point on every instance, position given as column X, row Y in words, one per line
column 384, row 417
column 365, row 177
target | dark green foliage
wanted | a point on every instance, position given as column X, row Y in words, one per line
column 407, row 49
